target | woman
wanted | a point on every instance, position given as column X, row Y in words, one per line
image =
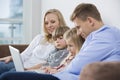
column 41, row 45
column 74, row 43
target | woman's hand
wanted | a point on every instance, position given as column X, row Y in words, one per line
column 6, row 59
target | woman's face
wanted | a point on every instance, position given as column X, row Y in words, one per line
column 51, row 22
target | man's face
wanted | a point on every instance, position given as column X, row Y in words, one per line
column 83, row 27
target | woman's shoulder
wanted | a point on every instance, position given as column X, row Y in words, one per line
column 39, row 36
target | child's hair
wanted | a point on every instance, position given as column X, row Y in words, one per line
column 59, row 31
column 72, row 36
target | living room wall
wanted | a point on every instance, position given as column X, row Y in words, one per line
column 109, row 9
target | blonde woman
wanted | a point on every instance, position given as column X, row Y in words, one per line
column 40, row 46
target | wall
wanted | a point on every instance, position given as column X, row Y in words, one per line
column 31, row 19
column 34, row 11
column 109, row 9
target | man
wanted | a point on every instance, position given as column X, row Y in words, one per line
column 102, row 43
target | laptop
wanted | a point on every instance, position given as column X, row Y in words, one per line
column 15, row 53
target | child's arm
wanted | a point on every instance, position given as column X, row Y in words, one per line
column 53, row 70
column 38, row 66
column 34, row 67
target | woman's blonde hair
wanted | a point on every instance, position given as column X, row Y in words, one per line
column 60, row 19
column 71, row 35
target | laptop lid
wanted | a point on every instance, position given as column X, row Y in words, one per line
column 16, row 58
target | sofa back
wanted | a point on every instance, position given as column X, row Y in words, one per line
column 4, row 49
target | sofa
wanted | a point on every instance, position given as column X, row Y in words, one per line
column 4, row 49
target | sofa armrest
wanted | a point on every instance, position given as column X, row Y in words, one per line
column 4, row 49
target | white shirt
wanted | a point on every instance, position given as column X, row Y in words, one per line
column 36, row 52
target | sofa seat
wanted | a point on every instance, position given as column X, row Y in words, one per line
column 4, row 49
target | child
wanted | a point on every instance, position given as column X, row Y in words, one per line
column 40, row 46
column 61, row 51
column 55, row 57
column 74, row 43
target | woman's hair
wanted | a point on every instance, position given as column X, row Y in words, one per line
column 85, row 10
column 72, row 36
column 60, row 19
column 59, row 31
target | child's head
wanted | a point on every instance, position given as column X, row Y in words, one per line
column 58, row 37
column 73, row 41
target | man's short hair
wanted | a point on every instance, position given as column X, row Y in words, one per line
column 85, row 10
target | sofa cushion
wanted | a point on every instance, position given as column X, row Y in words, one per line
column 4, row 49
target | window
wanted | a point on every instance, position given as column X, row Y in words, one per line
column 11, row 24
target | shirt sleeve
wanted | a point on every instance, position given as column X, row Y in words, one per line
column 92, row 52
column 97, row 49
column 101, row 45
column 28, row 51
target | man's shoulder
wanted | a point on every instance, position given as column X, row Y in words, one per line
column 106, row 32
